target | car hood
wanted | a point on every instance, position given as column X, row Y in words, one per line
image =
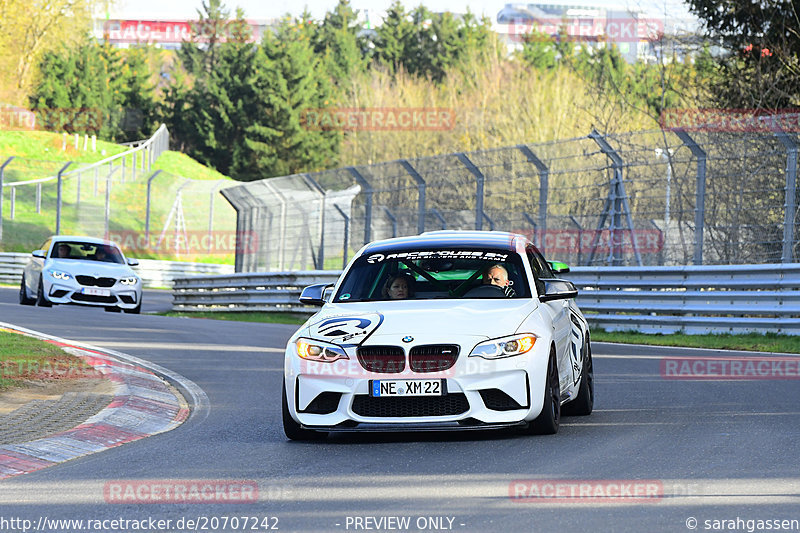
column 351, row 323
column 90, row 268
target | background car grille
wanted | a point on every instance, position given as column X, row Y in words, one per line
column 382, row 359
column 449, row 405
column 91, row 281
column 433, row 357
column 78, row 297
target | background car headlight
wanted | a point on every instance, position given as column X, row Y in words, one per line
column 59, row 274
column 504, row 347
column 319, row 351
column 133, row 280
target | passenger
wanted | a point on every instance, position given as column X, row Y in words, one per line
column 498, row 275
column 100, row 254
column 63, row 251
column 398, row 287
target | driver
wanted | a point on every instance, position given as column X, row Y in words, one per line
column 498, row 275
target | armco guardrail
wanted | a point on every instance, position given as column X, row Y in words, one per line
column 274, row 291
column 691, row 299
column 153, row 273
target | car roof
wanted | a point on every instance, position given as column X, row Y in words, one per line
column 501, row 240
column 81, row 238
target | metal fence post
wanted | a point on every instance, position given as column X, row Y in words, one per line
column 108, row 203
column 438, row 215
column 58, row 197
column 2, row 178
column 616, row 204
column 39, row 198
column 282, row 199
column 368, row 191
column 479, row 179
column 420, row 194
column 790, row 200
column 147, row 208
column 13, row 201
column 346, row 234
column 544, row 178
column 211, row 211
column 320, row 263
column 392, row 219
column 700, row 194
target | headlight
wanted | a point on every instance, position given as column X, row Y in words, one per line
column 504, row 347
column 59, row 274
column 319, row 351
column 133, row 280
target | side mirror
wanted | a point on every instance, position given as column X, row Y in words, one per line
column 316, row 294
column 132, row 262
column 558, row 267
column 558, row 289
column 41, row 254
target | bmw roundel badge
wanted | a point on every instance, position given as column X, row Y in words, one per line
column 408, row 338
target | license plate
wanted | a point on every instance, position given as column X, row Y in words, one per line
column 406, row 387
column 95, row 292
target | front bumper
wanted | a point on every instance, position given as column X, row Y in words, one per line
column 480, row 393
column 69, row 291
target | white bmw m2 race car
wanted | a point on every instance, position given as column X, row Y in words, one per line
column 445, row 330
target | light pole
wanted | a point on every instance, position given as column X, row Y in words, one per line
column 667, row 156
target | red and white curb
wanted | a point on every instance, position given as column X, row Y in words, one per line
column 143, row 405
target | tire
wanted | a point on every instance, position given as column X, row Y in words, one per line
column 583, row 403
column 547, row 421
column 292, row 429
column 41, row 299
column 136, row 310
column 23, row 294
column 112, row 309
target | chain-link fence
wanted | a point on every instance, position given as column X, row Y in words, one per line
column 664, row 197
column 150, row 213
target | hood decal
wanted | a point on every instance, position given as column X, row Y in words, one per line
column 346, row 330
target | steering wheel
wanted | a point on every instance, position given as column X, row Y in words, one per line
column 486, row 291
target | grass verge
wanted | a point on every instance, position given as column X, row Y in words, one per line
column 24, row 359
column 767, row 342
column 246, row 316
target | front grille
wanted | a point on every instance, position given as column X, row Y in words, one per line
column 324, row 404
column 433, row 357
column 449, row 405
column 91, row 281
column 497, row 400
column 78, row 297
column 382, row 359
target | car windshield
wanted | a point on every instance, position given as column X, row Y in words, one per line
column 424, row 274
column 86, row 251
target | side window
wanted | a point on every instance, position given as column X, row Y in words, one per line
column 541, row 270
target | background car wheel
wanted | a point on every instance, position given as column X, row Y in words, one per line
column 23, row 294
column 583, row 403
column 112, row 309
column 292, row 429
column 41, row 299
column 136, row 310
column 547, row 421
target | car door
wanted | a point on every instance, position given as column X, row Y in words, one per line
column 560, row 314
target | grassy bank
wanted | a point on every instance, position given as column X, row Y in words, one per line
column 24, row 359
column 767, row 342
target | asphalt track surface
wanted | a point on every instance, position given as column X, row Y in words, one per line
column 714, row 449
